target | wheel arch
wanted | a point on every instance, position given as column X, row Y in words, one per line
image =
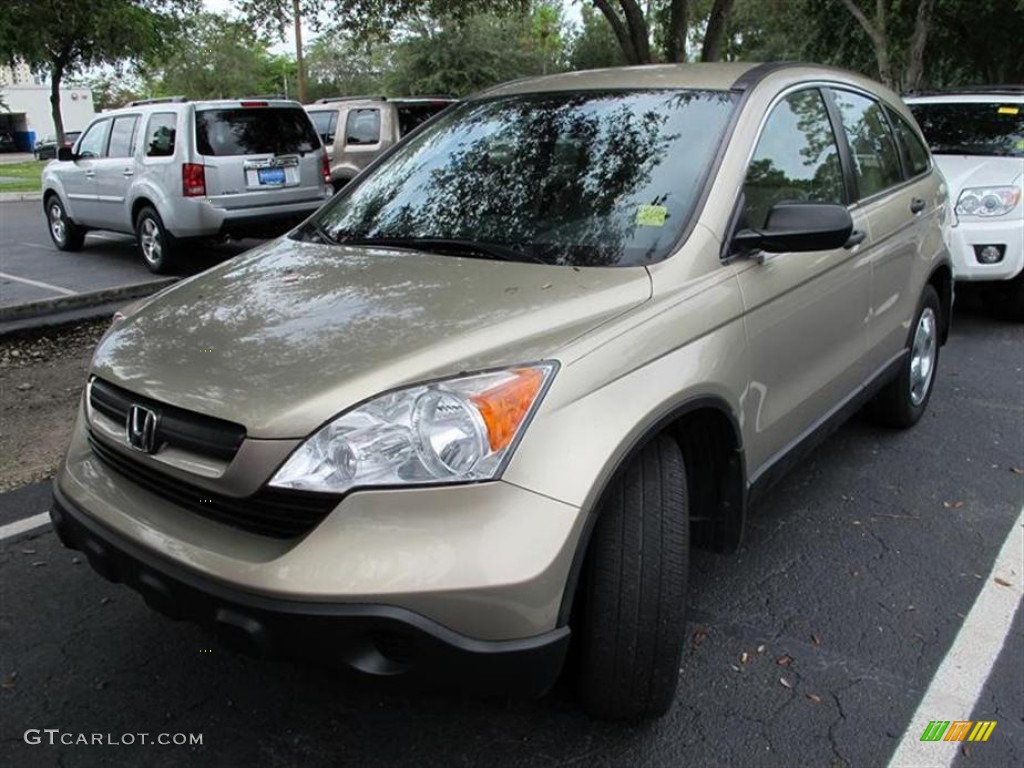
column 941, row 279
column 142, row 201
column 716, row 480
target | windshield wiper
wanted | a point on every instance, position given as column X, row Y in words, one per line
column 450, row 245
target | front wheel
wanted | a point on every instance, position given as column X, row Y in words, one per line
column 156, row 244
column 66, row 235
column 633, row 619
column 903, row 400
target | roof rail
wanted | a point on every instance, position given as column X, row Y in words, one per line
column 331, row 99
column 1009, row 89
column 162, row 100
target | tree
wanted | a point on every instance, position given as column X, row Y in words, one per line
column 595, row 45
column 214, row 58
column 877, row 28
column 337, row 65
column 64, row 37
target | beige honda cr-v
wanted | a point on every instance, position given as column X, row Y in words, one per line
column 474, row 413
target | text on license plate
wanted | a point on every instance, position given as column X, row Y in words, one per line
column 271, row 175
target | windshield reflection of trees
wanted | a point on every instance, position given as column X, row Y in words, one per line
column 976, row 129
column 562, row 176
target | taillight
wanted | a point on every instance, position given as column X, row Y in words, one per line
column 325, row 168
column 193, row 180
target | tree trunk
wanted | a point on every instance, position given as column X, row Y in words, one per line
column 638, row 30
column 300, row 73
column 619, row 28
column 675, row 35
column 56, row 75
column 714, row 36
column 879, row 37
column 915, row 56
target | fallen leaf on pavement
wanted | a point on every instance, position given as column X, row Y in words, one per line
column 785, row 683
column 1017, row 470
column 760, row 649
column 814, row 697
column 1002, row 582
column 815, row 639
column 952, row 504
column 784, row 661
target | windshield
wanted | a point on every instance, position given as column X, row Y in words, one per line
column 582, row 179
column 981, row 128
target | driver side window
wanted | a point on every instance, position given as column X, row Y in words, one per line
column 796, row 158
column 94, row 142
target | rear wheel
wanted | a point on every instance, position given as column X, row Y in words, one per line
column 633, row 620
column 156, row 244
column 903, row 400
column 66, row 235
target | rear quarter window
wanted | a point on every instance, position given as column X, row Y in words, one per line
column 161, row 134
column 254, row 131
column 363, row 126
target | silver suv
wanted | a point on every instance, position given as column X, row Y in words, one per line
column 170, row 169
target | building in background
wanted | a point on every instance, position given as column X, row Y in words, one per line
column 28, row 116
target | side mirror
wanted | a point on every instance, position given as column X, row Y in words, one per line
column 795, row 226
column 65, row 154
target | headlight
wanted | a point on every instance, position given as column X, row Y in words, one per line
column 454, row 431
column 987, row 201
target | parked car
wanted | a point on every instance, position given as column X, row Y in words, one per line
column 169, row 170
column 7, row 142
column 486, row 398
column 46, row 149
column 372, row 125
column 977, row 138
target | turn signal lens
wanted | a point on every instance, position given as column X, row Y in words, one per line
column 504, row 407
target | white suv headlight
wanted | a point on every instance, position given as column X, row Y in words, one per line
column 454, row 431
column 987, row 201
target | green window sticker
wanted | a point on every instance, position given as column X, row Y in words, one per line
column 651, row 215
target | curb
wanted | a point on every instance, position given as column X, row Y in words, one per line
column 19, row 197
column 46, row 311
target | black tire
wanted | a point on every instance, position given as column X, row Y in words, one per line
column 632, row 624
column 1007, row 299
column 66, row 235
column 157, row 246
column 896, row 405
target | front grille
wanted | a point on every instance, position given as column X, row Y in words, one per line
column 183, row 429
column 269, row 512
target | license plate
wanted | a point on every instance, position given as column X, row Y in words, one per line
column 271, row 175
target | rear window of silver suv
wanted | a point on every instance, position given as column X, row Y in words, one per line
column 254, row 131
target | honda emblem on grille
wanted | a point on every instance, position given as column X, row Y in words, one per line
column 141, row 428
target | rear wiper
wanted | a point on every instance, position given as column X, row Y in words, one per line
column 448, row 245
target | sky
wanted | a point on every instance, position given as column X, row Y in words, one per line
column 572, row 13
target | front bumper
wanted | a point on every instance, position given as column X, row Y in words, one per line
column 1007, row 231
column 378, row 640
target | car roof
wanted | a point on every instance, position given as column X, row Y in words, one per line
column 975, row 97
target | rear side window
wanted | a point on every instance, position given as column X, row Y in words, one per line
column 160, row 134
column 122, row 136
column 325, row 123
column 411, row 116
column 796, row 158
column 363, row 126
column 254, row 131
column 95, row 140
column 876, row 161
column 916, row 152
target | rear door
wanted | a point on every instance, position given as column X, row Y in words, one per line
column 804, row 311
column 899, row 198
column 326, row 123
column 258, row 153
column 115, row 173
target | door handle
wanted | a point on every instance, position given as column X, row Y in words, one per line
column 856, row 238
column 917, row 205
column 90, row 174
column 127, row 172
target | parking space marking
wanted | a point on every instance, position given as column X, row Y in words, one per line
column 958, row 683
column 37, row 245
column 21, row 526
column 38, row 283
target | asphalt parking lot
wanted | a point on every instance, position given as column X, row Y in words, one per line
column 32, row 269
column 814, row 645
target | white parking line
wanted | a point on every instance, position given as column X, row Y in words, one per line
column 964, row 671
column 37, row 245
column 21, row 526
column 37, row 283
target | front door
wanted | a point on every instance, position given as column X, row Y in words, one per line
column 79, row 175
column 805, row 312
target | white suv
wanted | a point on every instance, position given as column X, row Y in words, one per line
column 169, row 169
column 977, row 139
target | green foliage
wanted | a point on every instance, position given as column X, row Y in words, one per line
column 338, row 66
column 595, row 46
column 214, row 58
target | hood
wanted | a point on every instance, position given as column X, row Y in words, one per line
column 962, row 171
column 285, row 337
